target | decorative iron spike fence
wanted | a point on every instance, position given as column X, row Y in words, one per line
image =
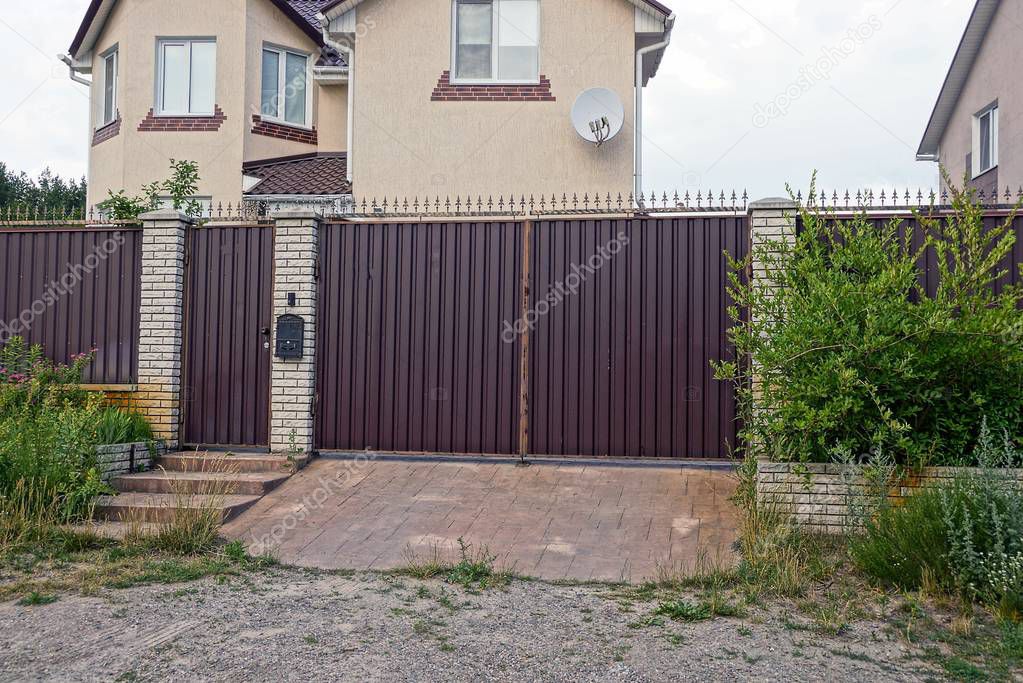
column 522, row 205
column 549, row 205
column 905, row 200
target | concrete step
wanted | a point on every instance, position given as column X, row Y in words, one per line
column 161, row 507
column 241, row 483
column 190, row 461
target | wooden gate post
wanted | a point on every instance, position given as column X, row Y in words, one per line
column 527, row 237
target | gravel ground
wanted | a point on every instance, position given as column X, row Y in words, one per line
column 291, row 625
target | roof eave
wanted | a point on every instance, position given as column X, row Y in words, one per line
column 956, row 78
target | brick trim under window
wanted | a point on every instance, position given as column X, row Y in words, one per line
column 272, row 129
column 184, row 124
column 487, row 92
column 104, row 133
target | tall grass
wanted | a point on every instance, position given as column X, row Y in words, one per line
column 963, row 536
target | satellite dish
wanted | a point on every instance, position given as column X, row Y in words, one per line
column 598, row 115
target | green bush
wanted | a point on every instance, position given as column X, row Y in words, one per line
column 855, row 357
column 963, row 537
column 49, row 430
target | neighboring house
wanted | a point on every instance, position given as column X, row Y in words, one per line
column 313, row 101
column 976, row 130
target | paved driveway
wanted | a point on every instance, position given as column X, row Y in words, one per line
column 582, row 520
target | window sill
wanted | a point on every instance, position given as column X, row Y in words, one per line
column 446, row 91
column 106, row 131
column 286, row 124
column 985, row 172
column 283, row 131
column 191, row 123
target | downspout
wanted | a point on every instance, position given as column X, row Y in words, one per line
column 350, row 58
column 669, row 23
column 71, row 70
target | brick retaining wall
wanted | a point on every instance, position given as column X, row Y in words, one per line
column 821, row 497
column 115, row 460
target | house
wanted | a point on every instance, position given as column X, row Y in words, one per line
column 975, row 130
column 314, row 101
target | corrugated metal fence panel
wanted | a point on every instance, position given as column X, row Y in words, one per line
column 622, row 366
column 929, row 266
column 226, row 393
column 78, row 288
column 410, row 356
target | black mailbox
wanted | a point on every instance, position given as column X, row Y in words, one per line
column 290, row 336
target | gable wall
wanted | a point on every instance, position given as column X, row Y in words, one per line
column 995, row 76
column 406, row 144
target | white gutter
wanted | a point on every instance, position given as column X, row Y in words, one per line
column 350, row 57
column 71, row 70
column 669, row 23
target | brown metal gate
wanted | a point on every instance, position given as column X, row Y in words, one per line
column 409, row 350
column 414, row 352
column 228, row 311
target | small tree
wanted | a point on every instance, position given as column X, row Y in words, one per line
column 851, row 355
column 181, row 187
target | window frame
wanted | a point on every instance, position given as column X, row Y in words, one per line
column 162, row 42
column 990, row 111
column 104, row 118
column 282, row 59
column 494, row 48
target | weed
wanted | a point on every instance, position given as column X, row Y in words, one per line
column 681, row 610
column 36, row 598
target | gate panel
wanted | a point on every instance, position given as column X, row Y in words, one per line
column 410, row 356
column 229, row 284
column 620, row 358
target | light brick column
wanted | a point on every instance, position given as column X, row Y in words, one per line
column 772, row 225
column 293, row 382
column 160, row 322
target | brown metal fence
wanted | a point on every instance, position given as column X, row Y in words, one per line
column 228, row 311
column 420, row 344
column 72, row 288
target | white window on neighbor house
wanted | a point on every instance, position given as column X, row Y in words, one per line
column 985, row 140
column 496, row 41
column 285, row 89
column 108, row 110
column 186, row 77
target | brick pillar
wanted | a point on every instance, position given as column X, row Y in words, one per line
column 160, row 322
column 293, row 382
column 772, row 224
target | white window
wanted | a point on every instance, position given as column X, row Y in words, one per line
column 109, row 107
column 285, row 91
column 496, row 41
column 186, row 77
column 985, row 140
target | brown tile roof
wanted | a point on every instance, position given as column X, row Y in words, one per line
column 307, row 174
column 302, row 12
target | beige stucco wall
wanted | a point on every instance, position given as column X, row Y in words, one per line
column 995, row 76
column 332, row 112
column 407, row 145
column 134, row 158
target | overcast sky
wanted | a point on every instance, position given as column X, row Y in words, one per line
column 751, row 94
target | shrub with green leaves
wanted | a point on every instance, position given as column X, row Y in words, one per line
column 853, row 356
